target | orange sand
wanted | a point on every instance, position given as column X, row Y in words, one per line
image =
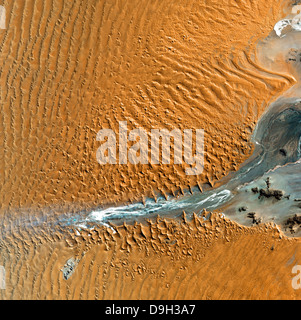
column 71, row 68
column 213, row 259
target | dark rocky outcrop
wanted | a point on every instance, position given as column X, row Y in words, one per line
column 255, row 190
column 293, row 223
column 283, row 152
column 255, row 220
column 277, row 194
column 268, row 193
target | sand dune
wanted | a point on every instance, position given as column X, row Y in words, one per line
column 71, row 68
column 162, row 259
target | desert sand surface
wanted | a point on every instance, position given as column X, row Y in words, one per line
column 161, row 259
column 71, row 68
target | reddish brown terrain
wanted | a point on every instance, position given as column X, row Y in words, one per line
column 71, row 68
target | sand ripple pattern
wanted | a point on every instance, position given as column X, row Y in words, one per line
column 70, row 68
column 210, row 258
